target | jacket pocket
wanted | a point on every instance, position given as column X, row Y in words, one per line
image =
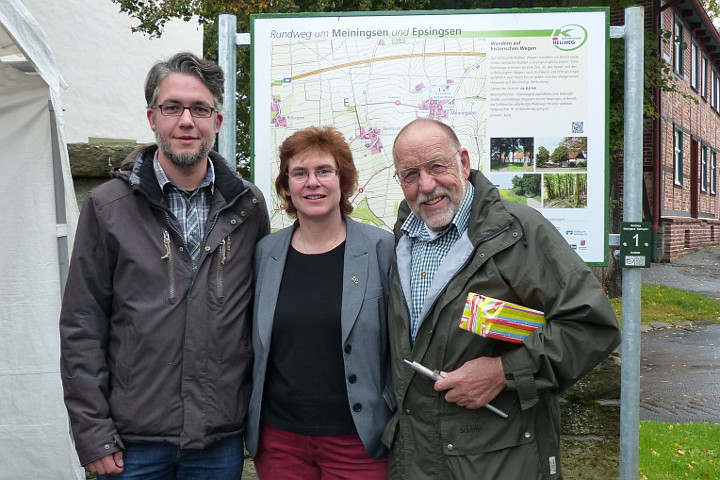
column 389, row 396
column 472, row 432
column 218, row 265
column 168, row 257
column 478, row 442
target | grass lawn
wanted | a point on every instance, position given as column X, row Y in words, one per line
column 665, row 304
column 676, row 450
column 679, row 450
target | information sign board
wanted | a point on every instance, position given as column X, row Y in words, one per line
column 525, row 91
column 635, row 240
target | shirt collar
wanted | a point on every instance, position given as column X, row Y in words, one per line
column 163, row 179
column 414, row 227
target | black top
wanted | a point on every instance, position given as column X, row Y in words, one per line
column 305, row 389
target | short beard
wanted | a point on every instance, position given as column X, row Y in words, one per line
column 184, row 160
column 441, row 220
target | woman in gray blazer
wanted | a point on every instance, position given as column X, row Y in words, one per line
column 321, row 379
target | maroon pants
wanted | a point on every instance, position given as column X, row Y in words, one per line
column 290, row 456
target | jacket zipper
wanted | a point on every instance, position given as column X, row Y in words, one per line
column 171, row 263
column 501, row 231
column 223, row 254
column 219, row 275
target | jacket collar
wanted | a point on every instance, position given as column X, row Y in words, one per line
column 138, row 171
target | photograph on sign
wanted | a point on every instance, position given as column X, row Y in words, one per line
column 525, row 91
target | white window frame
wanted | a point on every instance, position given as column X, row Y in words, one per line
column 678, row 156
column 695, row 65
column 704, row 168
column 678, row 62
column 713, row 173
column 704, row 76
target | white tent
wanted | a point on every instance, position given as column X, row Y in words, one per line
column 37, row 213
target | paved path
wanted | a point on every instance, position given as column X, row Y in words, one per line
column 680, row 366
column 698, row 272
column 680, row 374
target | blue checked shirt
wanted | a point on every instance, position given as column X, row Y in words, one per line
column 428, row 252
column 180, row 202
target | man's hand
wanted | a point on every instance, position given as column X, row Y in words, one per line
column 108, row 465
column 474, row 384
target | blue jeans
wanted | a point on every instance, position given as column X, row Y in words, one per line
column 223, row 460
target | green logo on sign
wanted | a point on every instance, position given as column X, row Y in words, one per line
column 569, row 37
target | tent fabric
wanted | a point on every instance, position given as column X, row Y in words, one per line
column 35, row 441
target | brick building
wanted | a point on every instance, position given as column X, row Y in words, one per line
column 681, row 146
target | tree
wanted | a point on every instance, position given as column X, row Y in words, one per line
column 500, row 148
column 543, row 155
column 575, row 144
column 712, row 7
column 559, row 154
column 526, row 185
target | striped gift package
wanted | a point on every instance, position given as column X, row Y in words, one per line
column 493, row 318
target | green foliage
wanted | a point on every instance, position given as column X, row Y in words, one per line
column 665, row 304
column 526, row 185
column 559, row 154
column 512, row 197
column 543, row 155
column 679, row 450
column 712, row 7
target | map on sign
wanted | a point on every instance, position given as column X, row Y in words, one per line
column 518, row 88
column 369, row 94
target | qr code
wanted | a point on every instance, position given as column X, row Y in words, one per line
column 578, row 127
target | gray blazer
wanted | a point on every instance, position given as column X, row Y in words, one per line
column 368, row 254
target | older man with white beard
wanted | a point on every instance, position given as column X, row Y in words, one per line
column 455, row 236
column 155, row 322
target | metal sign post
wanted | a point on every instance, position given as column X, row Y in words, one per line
column 227, row 46
column 632, row 213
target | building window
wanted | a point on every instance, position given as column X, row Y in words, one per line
column 695, row 66
column 713, row 173
column 677, row 158
column 714, row 89
column 703, row 77
column 677, row 48
column 704, row 169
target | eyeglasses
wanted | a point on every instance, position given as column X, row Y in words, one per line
column 301, row 176
column 434, row 168
column 176, row 110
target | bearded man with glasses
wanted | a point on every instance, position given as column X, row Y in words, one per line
column 456, row 235
column 155, row 323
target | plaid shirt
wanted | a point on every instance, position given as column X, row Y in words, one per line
column 429, row 251
column 180, row 201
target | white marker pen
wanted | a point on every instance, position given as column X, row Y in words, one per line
column 435, row 375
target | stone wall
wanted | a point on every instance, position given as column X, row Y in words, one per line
column 91, row 164
column 590, row 425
